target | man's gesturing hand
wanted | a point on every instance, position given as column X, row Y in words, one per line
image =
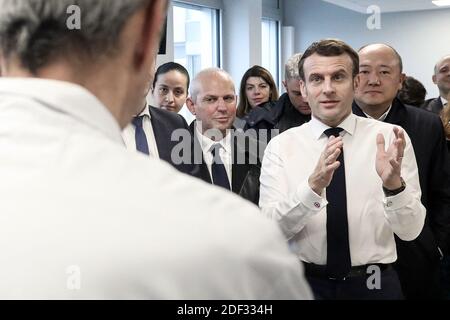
column 327, row 164
column 389, row 163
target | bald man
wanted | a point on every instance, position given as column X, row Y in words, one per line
column 441, row 78
column 380, row 77
column 228, row 158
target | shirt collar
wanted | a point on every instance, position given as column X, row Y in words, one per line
column 146, row 112
column 443, row 100
column 206, row 143
column 383, row 116
column 67, row 98
column 318, row 127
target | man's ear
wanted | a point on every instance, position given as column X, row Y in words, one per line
column 434, row 79
column 356, row 82
column 150, row 34
column 190, row 105
column 303, row 89
column 402, row 79
column 284, row 84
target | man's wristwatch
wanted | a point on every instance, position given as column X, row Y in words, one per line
column 390, row 193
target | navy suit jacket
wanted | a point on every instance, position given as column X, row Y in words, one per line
column 244, row 176
column 433, row 105
column 427, row 137
column 164, row 123
column 280, row 115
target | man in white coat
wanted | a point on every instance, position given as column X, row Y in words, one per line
column 82, row 218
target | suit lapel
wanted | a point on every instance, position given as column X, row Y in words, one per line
column 357, row 110
column 200, row 170
column 162, row 137
column 437, row 105
column 397, row 114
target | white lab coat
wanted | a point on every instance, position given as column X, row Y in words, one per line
column 82, row 218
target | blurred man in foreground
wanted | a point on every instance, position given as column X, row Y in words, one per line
column 73, row 225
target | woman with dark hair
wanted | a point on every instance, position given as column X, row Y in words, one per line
column 257, row 89
column 170, row 86
column 257, row 100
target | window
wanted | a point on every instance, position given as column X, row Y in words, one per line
column 270, row 47
column 196, row 37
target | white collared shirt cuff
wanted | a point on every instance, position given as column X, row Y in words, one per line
column 309, row 198
column 304, row 204
column 398, row 201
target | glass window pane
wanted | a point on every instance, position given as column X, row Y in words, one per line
column 195, row 37
column 270, row 46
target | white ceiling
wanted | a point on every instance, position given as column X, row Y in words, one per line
column 386, row 5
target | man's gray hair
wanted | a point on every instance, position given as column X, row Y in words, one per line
column 36, row 31
column 291, row 70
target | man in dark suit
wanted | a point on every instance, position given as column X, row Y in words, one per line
column 221, row 155
column 151, row 132
column 379, row 80
column 441, row 78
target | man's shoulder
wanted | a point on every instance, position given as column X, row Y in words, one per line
column 373, row 126
column 168, row 117
column 287, row 138
column 158, row 182
column 428, row 101
column 133, row 197
column 197, row 201
column 434, row 105
column 421, row 115
column 423, row 123
column 281, row 104
column 294, row 132
column 263, row 113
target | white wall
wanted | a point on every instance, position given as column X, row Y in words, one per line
column 421, row 37
column 241, row 36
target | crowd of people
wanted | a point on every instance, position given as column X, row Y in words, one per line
column 337, row 189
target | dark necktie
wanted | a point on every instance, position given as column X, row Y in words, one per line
column 338, row 247
column 219, row 174
column 141, row 139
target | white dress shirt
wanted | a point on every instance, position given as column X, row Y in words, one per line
column 285, row 195
column 128, row 134
column 444, row 101
column 73, row 223
column 225, row 152
column 383, row 116
column 186, row 114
